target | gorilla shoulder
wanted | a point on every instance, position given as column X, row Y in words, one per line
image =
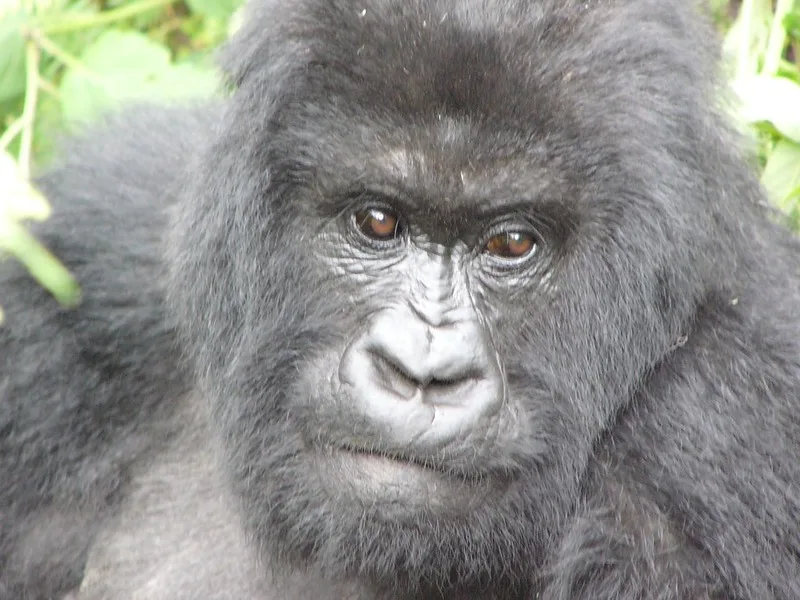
column 77, row 386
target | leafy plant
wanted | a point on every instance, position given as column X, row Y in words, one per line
column 763, row 47
column 63, row 63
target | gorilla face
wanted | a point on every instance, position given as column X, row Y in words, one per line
column 393, row 418
column 426, row 264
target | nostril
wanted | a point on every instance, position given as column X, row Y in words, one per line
column 446, row 383
column 455, row 375
column 450, row 391
column 392, row 376
column 396, row 377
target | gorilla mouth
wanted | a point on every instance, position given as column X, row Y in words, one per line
column 407, row 462
column 395, row 457
column 402, row 485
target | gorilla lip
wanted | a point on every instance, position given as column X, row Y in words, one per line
column 394, row 457
column 410, row 463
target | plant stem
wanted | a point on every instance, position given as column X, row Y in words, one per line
column 67, row 59
column 10, row 133
column 29, row 109
column 104, row 18
column 745, row 27
column 777, row 38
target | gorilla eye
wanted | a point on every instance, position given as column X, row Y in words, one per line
column 378, row 223
column 510, row 244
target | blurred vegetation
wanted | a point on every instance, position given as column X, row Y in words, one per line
column 63, row 62
column 762, row 50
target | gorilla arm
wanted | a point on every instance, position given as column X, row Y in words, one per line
column 682, row 485
column 177, row 535
column 64, row 373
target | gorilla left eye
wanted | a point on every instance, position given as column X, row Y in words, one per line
column 378, row 223
column 510, row 244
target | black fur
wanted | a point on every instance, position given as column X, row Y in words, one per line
column 649, row 444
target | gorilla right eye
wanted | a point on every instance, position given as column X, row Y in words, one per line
column 511, row 244
column 378, row 224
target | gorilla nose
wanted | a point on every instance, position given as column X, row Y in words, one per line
column 422, row 383
column 445, row 378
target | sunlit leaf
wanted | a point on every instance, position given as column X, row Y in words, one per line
column 124, row 66
column 781, row 176
column 772, row 99
column 216, row 9
column 12, row 56
column 749, row 32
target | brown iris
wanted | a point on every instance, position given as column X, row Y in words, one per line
column 510, row 244
column 378, row 223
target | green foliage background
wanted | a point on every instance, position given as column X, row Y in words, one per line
column 64, row 62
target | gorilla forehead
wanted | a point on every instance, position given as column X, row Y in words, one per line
column 459, row 87
column 439, row 169
column 515, row 63
column 413, row 60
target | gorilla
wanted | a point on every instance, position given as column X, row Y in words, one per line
column 448, row 299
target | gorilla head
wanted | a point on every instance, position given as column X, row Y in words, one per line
column 434, row 251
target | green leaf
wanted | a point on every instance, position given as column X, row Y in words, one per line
column 792, row 23
column 12, row 56
column 772, row 99
column 781, row 176
column 215, row 9
column 124, row 66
